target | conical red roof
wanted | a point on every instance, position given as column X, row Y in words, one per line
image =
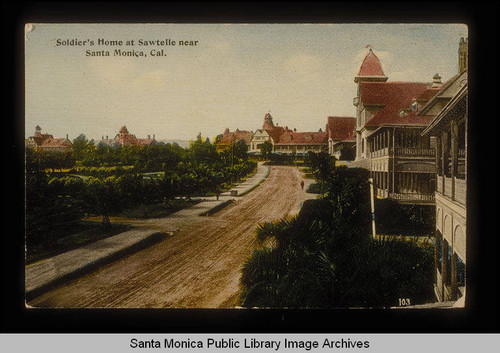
column 371, row 66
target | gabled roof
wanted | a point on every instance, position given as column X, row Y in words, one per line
column 428, row 94
column 275, row 132
column 235, row 136
column 303, row 138
column 398, row 94
column 341, row 128
column 145, row 142
column 435, row 125
column 56, row 142
column 388, row 118
column 392, row 97
column 371, row 67
column 446, row 92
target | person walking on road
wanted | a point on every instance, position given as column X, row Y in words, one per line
column 302, row 184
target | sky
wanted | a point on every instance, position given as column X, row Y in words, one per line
column 233, row 77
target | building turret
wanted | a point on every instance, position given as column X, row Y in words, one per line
column 370, row 71
column 268, row 122
column 371, row 68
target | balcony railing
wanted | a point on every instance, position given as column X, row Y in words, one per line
column 413, row 151
column 404, row 152
column 380, row 153
column 412, row 197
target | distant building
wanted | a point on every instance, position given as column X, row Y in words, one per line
column 124, row 138
column 341, row 136
column 47, row 142
column 228, row 139
column 300, row 143
column 269, row 132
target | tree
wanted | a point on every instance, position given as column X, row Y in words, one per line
column 317, row 260
column 102, row 197
column 348, row 191
column 347, row 153
column 266, row 149
column 240, row 150
column 202, row 152
column 322, row 165
column 83, row 148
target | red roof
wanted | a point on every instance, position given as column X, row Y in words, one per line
column 276, row 133
column 341, row 128
column 371, row 66
column 398, row 94
column 144, row 142
column 408, row 119
column 56, row 142
column 428, row 94
column 303, row 138
column 235, row 136
column 40, row 138
column 392, row 97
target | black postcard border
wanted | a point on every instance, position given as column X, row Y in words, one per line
column 481, row 312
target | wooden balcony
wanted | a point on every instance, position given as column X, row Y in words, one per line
column 414, row 152
column 413, row 198
column 455, row 189
column 404, row 152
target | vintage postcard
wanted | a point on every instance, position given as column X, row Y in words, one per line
column 246, row 165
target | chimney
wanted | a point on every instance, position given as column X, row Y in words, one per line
column 463, row 55
column 154, row 137
column 436, row 81
column 67, row 137
column 149, row 137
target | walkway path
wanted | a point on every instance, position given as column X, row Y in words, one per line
column 46, row 273
column 196, row 263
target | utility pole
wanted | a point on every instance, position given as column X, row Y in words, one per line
column 372, row 202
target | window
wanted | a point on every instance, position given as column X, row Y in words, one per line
column 460, row 272
column 439, row 147
column 447, row 154
column 439, row 245
column 448, row 267
column 460, row 170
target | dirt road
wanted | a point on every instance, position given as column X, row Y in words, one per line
column 197, row 267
